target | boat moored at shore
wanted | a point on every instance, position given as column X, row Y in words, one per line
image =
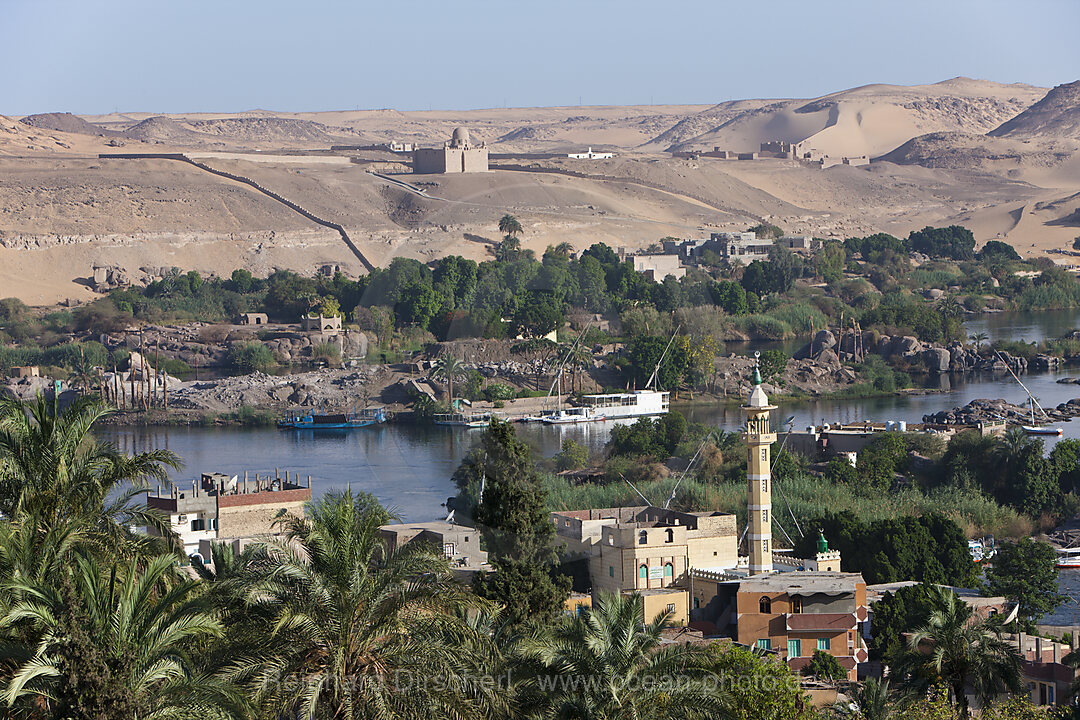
column 333, row 421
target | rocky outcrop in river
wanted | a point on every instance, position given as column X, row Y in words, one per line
column 982, row 410
column 913, row 354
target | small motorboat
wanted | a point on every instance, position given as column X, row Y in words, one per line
column 573, row 416
column 1041, row 430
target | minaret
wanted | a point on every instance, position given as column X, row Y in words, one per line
column 759, row 506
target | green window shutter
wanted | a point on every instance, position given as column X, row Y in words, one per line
column 824, row 644
column 794, row 648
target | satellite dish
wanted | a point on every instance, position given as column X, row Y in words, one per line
column 757, row 354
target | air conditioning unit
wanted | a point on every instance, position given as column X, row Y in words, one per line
column 181, row 518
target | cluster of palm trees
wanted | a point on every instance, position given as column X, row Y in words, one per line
column 327, row 621
column 98, row 620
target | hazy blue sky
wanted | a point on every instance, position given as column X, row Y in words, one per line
column 88, row 56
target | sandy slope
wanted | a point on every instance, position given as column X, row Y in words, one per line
column 62, row 209
column 868, row 120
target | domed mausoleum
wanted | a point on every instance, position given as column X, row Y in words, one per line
column 459, row 155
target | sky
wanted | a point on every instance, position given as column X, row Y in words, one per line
column 93, row 57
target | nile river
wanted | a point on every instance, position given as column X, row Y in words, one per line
column 409, row 468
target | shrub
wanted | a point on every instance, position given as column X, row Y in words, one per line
column 498, row 391
column 824, row 666
column 251, row 356
column 573, row 456
column 327, row 352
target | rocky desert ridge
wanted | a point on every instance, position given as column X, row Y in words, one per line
column 1000, row 159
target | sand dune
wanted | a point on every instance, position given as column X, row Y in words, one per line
column 869, row 120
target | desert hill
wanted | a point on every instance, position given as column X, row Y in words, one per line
column 65, row 122
column 869, row 120
column 161, row 129
column 63, row 209
column 1057, row 115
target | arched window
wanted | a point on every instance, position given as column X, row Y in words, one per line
column 669, row 570
column 670, row 535
column 643, row 572
column 765, row 605
column 643, row 537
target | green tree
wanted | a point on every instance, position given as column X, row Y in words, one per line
column 731, row 296
column 573, row 455
column 418, row 304
column 825, row 666
column 358, row 628
column 874, row 702
column 516, row 528
column 509, row 226
column 759, row 687
column 537, row 316
column 772, row 363
column 839, row 470
column 896, row 613
column 449, row 368
column 995, row 251
column 110, row 642
column 644, row 353
column 1065, row 464
column 953, row 650
column 1024, row 573
column 611, row 664
column 829, row 261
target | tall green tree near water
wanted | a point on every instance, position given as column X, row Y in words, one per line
column 516, row 528
column 1024, row 573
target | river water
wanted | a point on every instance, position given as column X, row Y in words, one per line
column 408, row 468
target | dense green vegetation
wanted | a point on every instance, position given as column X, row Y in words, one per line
column 328, row 622
column 406, row 305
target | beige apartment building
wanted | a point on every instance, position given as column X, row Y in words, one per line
column 648, row 550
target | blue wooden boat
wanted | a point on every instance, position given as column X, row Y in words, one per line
column 333, row 421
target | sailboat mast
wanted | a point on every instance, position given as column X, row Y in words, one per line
column 652, row 378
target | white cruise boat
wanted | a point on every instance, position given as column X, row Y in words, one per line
column 1068, row 559
column 640, row 403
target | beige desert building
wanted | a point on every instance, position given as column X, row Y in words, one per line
column 459, row 155
column 648, row 550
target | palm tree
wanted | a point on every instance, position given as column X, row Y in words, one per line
column 954, row 650
column 449, row 368
column 873, row 701
column 978, row 338
column 110, row 641
column 357, row 630
column 51, row 467
column 608, row 663
column 509, row 226
column 579, row 359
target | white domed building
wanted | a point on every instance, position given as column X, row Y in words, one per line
column 459, row 155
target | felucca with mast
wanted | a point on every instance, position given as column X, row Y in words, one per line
column 1033, row 428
